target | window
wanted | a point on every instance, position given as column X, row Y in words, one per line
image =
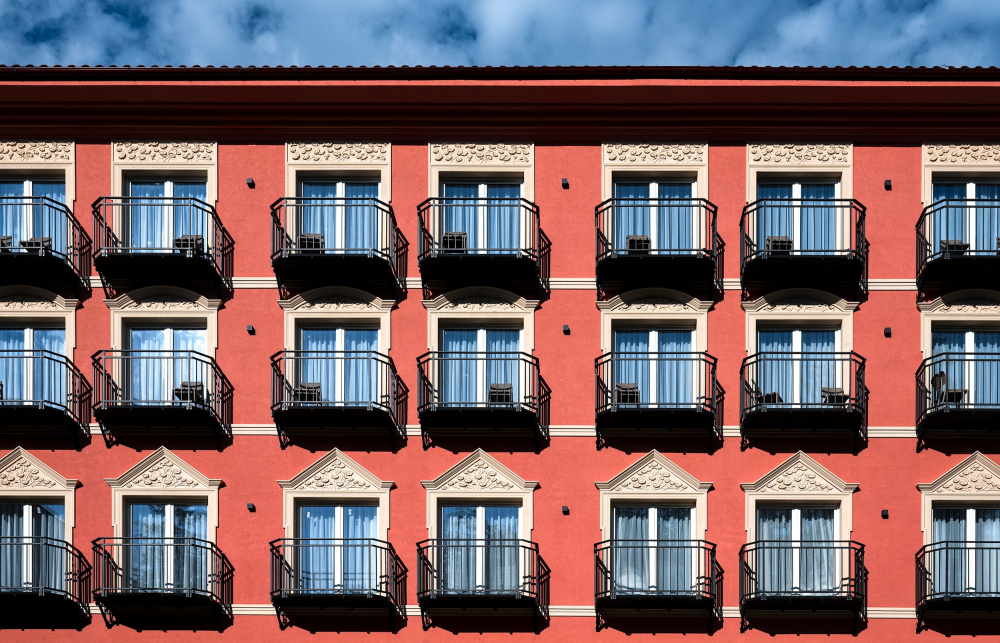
column 966, row 550
column 29, row 554
column 655, row 215
column 482, row 366
column 800, row 216
column 161, row 548
column 337, row 364
column 655, row 366
column 338, row 215
column 480, row 547
column 168, row 364
column 25, row 215
column 483, row 216
column 653, row 549
column 336, row 552
column 966, row 366
column 798, row 365
column 970, row 220
column 796, row 549
column 33, row 367
column 162, row 214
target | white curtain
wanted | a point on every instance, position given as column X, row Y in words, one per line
column 12, row 363
column 361, row 219
column 817, row 557
column 190, row 219
column 775, row 368
column 819, row 365
column 988, row 552
column 818, row 218
column 503, row 365
column 987, row 367
column 631, row 213
column 318, row 364
column 145, row 552
column 360, row 367
column 51, row 375
column 152, row 537
column 49, row 221
column 11, row 549
column 675, row 368
column 12, row 223
column 503, row 218
column 319, row 215
column 950, row 561
column 774, row 552
column 631, row 550
column 500, row 567
column 675, row 222
column 987, row 218
column 461, row 211
column 675, row 550
column 458, row 366
column 49, row 562
column 147, row 217
column 949, row 222
column 775, row 218
column 457, row 567
column 362, row 571
column 318, row 525
column 631, row 361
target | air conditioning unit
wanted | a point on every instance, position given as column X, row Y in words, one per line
column 638, row 244
column 190, row 244
column 454, row 242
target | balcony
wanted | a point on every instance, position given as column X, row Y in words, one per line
column 44, row 583
column 42, row 243
column 659, row 392
column 958, row 246
column 815, row 243
column 163, row 583
column 810, row 579
column 662, row 578
column 165, row 241
column 160, row 392
column 955, row 578
column 336, row 578
column 957, row 394
column 319, row 241
column 481, row 391
column 317, row 392
column 821, row 395
column 504, row 578
column 42, row 392
column 662, row 242
column 482, row 241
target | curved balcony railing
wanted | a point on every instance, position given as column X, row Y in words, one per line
column 317, row 567
column 40, row 565
column 790, row 381
column 792, row 569
column 482, row 568
column 337, row 379
column 482, row 380
column 44, row 380
column 479, row 227
column 318, row 226
column 958, row 228
column 657, row 381
column 178, row 226
column 41, row 226
column 627, row 569
column 185, row 566
column 958, row 382
column 953, row 570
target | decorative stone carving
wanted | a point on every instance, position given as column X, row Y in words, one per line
column 800, row 305
column 27, row 302
column 962, row 154
column 656, row 153
column 335, row 476
column 23, row 474
column 36, row 151
column 975, row 478
column 338, row 152
column 176, row 152
column 337, row 303
column 165, row 474
column 800, row 154
column 797, row 479
column 479, row 476
column 480, row 303
column 973, row 306
column 481, row 154
column 652, row 477
column 653, row 304
column 161, row 302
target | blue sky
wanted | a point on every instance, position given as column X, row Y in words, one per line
column 500, row 32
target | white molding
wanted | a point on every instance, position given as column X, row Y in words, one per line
column 892, row 284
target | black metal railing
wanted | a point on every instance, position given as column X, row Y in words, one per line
column 44, row 380
column 952, row 228
column 351, row 226
column 803, row 228
column 658, row 568
column 41, row 226
column 479, row 227
column 180, row 226
column 40, row 565
column 958, row 381
column 337, row 567
column 817, row 381
column 656, row 381
column 484, row 380
column 956, row 570
column 336, row 379
column 150, row 378
column 787, row 569
column 491, row 567
column 186, row 566
column 632, row 227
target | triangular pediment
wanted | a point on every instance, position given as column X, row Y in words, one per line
column 654, row 473
column 163, row 470
column 479, row 471
column 975, row 474
column 19, row 469
column 800, row 474
column 335, row 471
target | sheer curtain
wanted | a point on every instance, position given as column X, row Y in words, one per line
column 951, row 556
column 361, row 219
column 12, row 211
column 953, row 365
column 318, row 346
column 774, row 218
column 631, row 217
column 147, row 217
column 988, row 556
column 12, row 363
column 186, row 367
column 49, row 222
column 191, row 560
column 502, row 364
column 988, row 217
column 11, row 552
column 987, row 367
column 501, row 567
column 318, row 524
column 631, row 550
column 774, row 554
column 675, row 367
column 189, row 219
column 458, row 366
column 461, row 212
column 319, row 216
column 632, row 360
column 362, row 571
column 675, row 224
column 145, row 552
column 818, row 218
column 503, row 218
column 457, row 566
column 51, row 377
column 819, row 365
column 775, row 368
column 360, row 368
column 949, row 222
column 817, row 558
column 48, row 562
column 675, row 554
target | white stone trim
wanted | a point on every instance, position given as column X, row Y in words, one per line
column 801, row 307
column 975, row 479
column 964, row 307
column 22, row 158
column 654, row 479
column 651, row 307
column 654, row 160
column 339, row 160
column 481, row 305
column 960, row 161
column 800, row 480
column 165, row 159
column 337, row 304
column 481, row 160
column 162, row 475
column 335, row 476
column 166, row 305
column 27, row 304
column 798, row 160
column 24, row 478
column 480, row 477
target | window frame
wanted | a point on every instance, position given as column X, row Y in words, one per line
column 44, row 159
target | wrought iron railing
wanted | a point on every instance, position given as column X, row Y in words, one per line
column 491, row 567
column 771, row 228
column 315, row 226
column 43, row 379
column 41, row 226
column 182, row 226
column 40, row 565
column 786, row 569
column 957, row 569
column 337, row 567
column 484, row 380
column 337, row 379
column 817, row 381
column 958, row 381
column 658, row 568
column 479, row 227
column 952, row 228
column 656, row 381
column 186, row 566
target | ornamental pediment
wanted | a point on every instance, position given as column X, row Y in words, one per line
column 654, row 473
column 335, row 472
column 163, row 470
column 20, row 470
column 479, row 471
column 797, row 475
column 975, row 474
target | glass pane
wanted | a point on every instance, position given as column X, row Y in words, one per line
column 191, row 218
column 776, row 369
column 950, row 561
column 988, row 550
column 459, row 366
column 362, row 564
column 360, row 367
column 949, row 370
column 49, row 221
column 188, row 367
column 12, row 546
column 362, row 219
column 48, row 561
column 503, row 367
column 775, row 218
column 774, row 554
column 145, row 552
column 675, row 368
column 12, row 364
column 949, row 221
column 675, row 222
column 631, row 213
column 675, row 552
column 147, row 217
column 461, row 212
column 818, row 218
column 818, row 557
column 501, row 569
column 986, row 372
column 631, row 550
column 503, row 218
column 51, row 376
column 457, row 566
column 819, row 365
column 318, row 215
column 316, row 566
column 318, row 363
column 191, row 560
column 12, row 212
column 632, row 366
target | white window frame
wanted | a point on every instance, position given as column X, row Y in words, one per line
column 653, row 536
column 796, row 540
column 338, row 521
column 168, row 518
column 654, row 342
column 970, row 346
column 27, row 210
column 482, row 207
column 340, row 226
column 481, row 348
column 28, row 384
column 338, row 374
column 26, row 506
column 170, row 328
column 480, row 506
column 797, row 348
column 841, row 226
column 970, row 194
column 970, row 536
column 168, row 193
column 654, row 193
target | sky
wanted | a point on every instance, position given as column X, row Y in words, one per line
column 500, row 32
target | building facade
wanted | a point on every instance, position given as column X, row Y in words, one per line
column 499, row 353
